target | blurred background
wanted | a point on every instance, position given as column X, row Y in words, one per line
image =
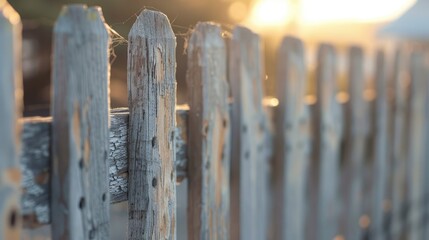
column 342, row 22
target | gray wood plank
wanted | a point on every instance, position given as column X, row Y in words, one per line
column 11, row 107
column 328, row 133
column 249, row 162
column 80, row 127
column 151, row 150
column 416, row 140
column 356, row 125
column 209, row 137
column 292, row 141
column 381, row 166
column 399, row 148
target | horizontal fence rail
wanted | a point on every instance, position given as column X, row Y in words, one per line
column 335, row 155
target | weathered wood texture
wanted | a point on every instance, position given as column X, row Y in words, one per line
column 151, row 150
column 356, row 125
column 400, row 146
column 293, row 132
column 381, row 164
column 328, row 133
column 250, row 153
column 80, row 126
column 209, row 137
column 416, row 140
column 36, row 162
column 11, row 107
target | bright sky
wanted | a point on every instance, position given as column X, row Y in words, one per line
column 310, row 12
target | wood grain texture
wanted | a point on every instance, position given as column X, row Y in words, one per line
column 356, row 125
column 293, row 130
column 416, row 140
column 36, row 160
column 328, row 133
column 209, row 137
column 381, row 164
column 400, row 146
column 249, row 129
column 80, row 126
column 151, row 132
column 11, row 107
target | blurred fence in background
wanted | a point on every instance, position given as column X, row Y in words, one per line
column 323, row 164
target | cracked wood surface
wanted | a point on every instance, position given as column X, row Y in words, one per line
column 36, row 162
column 152, row 120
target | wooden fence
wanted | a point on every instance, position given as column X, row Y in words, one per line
column 328, row 164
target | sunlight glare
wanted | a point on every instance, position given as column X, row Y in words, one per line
column 272, row 13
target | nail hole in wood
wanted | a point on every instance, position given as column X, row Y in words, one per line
column 225, row 123
column 103, row 197
column 12, row 218
column 81, row 163
column 82, row 203
column 154, row 182
column 244, row 128
column 247, row 154
column 153, row 142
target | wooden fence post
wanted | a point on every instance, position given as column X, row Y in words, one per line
column 11, row 107
column 151, row 150
column 328, row 135
column 356, row 125
column 80, row 129
column 208, row 135
column 416, row 141
column 399, row 149
column 249, row 162
column 382, row 140
column 292, row 142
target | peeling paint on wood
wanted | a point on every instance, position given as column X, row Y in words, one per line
column 151, row 132
column 10, row 127
column 80, row 127
column 209, row 136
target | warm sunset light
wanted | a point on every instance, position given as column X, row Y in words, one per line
column 272, row 13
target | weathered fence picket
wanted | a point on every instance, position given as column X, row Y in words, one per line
column 381, row 159
column 399, row 151
column 10, row 127
column 292, row 142
column 328, row 132
column 80, row 125
column 208, row 135
column 151, row 132
column 356, row 124
column 416, row 140
column 249, row 158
